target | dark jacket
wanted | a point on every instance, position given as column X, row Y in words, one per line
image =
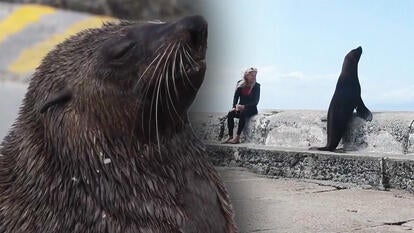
column 250, row 102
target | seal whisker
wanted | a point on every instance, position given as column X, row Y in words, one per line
column 189, row 60
column 153, row 99
column 181, row 73
column 159, row 57
column 184, row 73
column 149, row 85
column 173, row 67
column 156, row 116
column 182, row 67
column 159, row 48
column 156, row 92
column 160, row 79
column 168, row 94
column 136, row 88
column 189, row 55
column 145, row 71
column 165, row 72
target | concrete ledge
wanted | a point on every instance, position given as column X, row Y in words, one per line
column 399, row 173
column 370, row 170
column 387, row 133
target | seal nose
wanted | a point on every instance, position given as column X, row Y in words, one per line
column 193, row 24
column 196, row 26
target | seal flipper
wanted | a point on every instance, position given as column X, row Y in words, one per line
column 325, row 148
column 363, row 111
column 321, row 148
column 62, row 96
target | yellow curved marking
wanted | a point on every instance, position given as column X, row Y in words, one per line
column 21, row 17
column 30, row 58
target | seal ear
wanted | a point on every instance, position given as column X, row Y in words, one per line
column 60, row 97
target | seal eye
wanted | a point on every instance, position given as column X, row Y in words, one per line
column 121, row 49
column 117, row 51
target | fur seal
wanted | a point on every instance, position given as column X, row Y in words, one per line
column 102, row 142
column 346, row 98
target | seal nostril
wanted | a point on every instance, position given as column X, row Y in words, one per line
column 192, row 23
column 196, row 26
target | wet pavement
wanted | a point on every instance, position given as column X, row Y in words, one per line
column 265, row 204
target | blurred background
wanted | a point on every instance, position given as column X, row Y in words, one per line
column 297, row 45
column 124, row 9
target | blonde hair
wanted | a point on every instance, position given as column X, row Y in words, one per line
column 243, row 83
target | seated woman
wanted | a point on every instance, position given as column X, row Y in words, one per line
column 248, row 92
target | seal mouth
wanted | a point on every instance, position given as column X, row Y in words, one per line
column 355, row 54
column 192, row 69
column 359, row 50
column 178, row 59
column 196, row 39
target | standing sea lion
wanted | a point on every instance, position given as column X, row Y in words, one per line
column 102, row 142
column 346, row 98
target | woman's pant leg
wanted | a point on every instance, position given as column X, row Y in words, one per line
column 244, row 115
column 230, row 122
column 242, row 122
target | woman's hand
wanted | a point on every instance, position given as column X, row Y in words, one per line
column 233, row 109
column 239, row 107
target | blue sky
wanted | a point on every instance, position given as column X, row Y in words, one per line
column 299, row 46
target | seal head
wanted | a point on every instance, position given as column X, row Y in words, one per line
column 157, row 68
column 102, row 142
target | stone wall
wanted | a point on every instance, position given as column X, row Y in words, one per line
column 378, row 154
column 388, row 132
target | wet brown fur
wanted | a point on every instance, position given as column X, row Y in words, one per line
column 102, row 145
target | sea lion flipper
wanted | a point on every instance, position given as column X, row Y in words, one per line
column 325, row 148
column 363, row 111
column 60, row 97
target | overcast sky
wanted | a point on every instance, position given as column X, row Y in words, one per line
column 299, row 46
